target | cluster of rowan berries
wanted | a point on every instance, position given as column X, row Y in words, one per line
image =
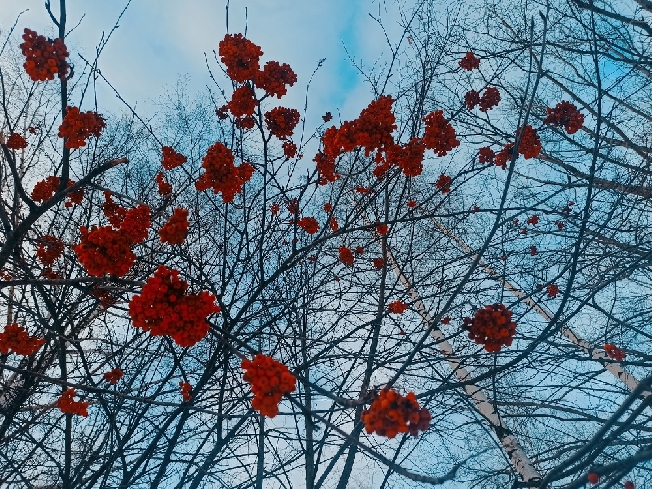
column 439, row 133
column 530, row 145
column 289, row 149
column 614, row 352
column 397, row 307
column 492, row 326
column 408, row 157
column 269, row 381
column 309, row 225
column 68, row 405
column 281, row 121
column 78, row 126
column 221, row 174
column 105, row 297
column 185, row 391
column 490, row 99
column 45, row 189
column 243, row 102
column 176, row 229
column 49, row 249
column 164, row 188
column 164, row 308
column 113, row 376
column 16, row 141
column 346, row 256
column 171, row 159
column 443, row 183
column 469, row 62
column 44, row 58
column 565, row 114
column 391, row 414
column 333, row 224
column 274, row 77
column 15, row 338
column 552, row 290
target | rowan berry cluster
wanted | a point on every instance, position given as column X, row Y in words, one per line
column 245, row 123
column 269, row 381
column 397, row 307
column 282, row 121
column 382, row 229
column 391, row 414
column 486, row 155
column 243, row 101
column 471, row 99
column 105, row 297
column 45, row 189
column 49, row 249
column 274, row 77
column 469, row 62
column 408, row 157
column 15, row 338
column 289, row 149
column 164, row 188
column 504, row 155
column 346, row 256
column 333, row 224
column 534, row 220
column 490, row 99
column 565, row 114
column 221, row 174
column 164, row 308
column 443, row 183
column 241, row 57
column 439, row 134
column 530, row 145
column 113, row 376
column 614, row 352
column 185, row 391
column 16, row 141
column 552, row 290
column 68, row 405
column 309, row 225
column 78, row 126
column 113, row 212
column 171, row 159
column 44, row 58
column 379, row 263
column 176, row 229
column 492, row 326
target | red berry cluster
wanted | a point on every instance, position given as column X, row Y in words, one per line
column 397, row 307
column 113, row 376
column 530, row 146
column 44, row 58
column 245, row 123
column 408, row 157
column 241, row 57
column 593, row 478
column 552, row 290
column 49, row 249
column 504, row 155
column 16, row 141
column 114, row 212
column 486, row 155
column 186, row 388
column 171, row 159
column 45, row 189
column 282, row 121
column 165, row 308
column 391, row 414
column 614, row 352
column 221, row 174
column 16, row 339
column 490, row 99
column 443, row 183
column 471, row 99
column 469, row 62
column 333, row 224
column 289, row 149
column 164, row 188
column 439, row 135
column 379, row 263
column 105, row 297
column 68, row 405
column 274, row 77
column 346, row 256
column 382, row 229
column 78, row 126
column 309, row 225
column 243, row 101
column 269, row 381
column 565, row 114
column 492, row 327
column 176, row 229
column 534, row 220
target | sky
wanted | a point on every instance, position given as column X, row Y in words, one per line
column 160, row 41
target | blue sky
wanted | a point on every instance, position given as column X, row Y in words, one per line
column 160, row 40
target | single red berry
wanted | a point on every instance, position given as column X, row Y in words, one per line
column 593, row 478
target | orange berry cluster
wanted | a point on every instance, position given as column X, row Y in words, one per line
column 171, row 159
column 185, row 391
column 614, row 352
column 346, row 256
column 309, row 225
column 289, row 149
column 78, row 126
column 16, row 339
column 164, row 188
column 274, row 77
column 486, row 155
column 490, row 99
column 530, row 146
column 176, row 229
column 114, row 212
column 391, row 414
column 243, row 101
column 565, row 114
column 269, row 380
column 221, row 174
column 241, row 57
column 439, row 134
column 397, row 307
column 282, row 121
column 469, row 62
column 45, row 189
column 113, row 376
column 408, row 158
column 44, row 58
column 16, row 141
column 68, row 405
column 492, row 327
column 164, row 308
column 49, row 249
